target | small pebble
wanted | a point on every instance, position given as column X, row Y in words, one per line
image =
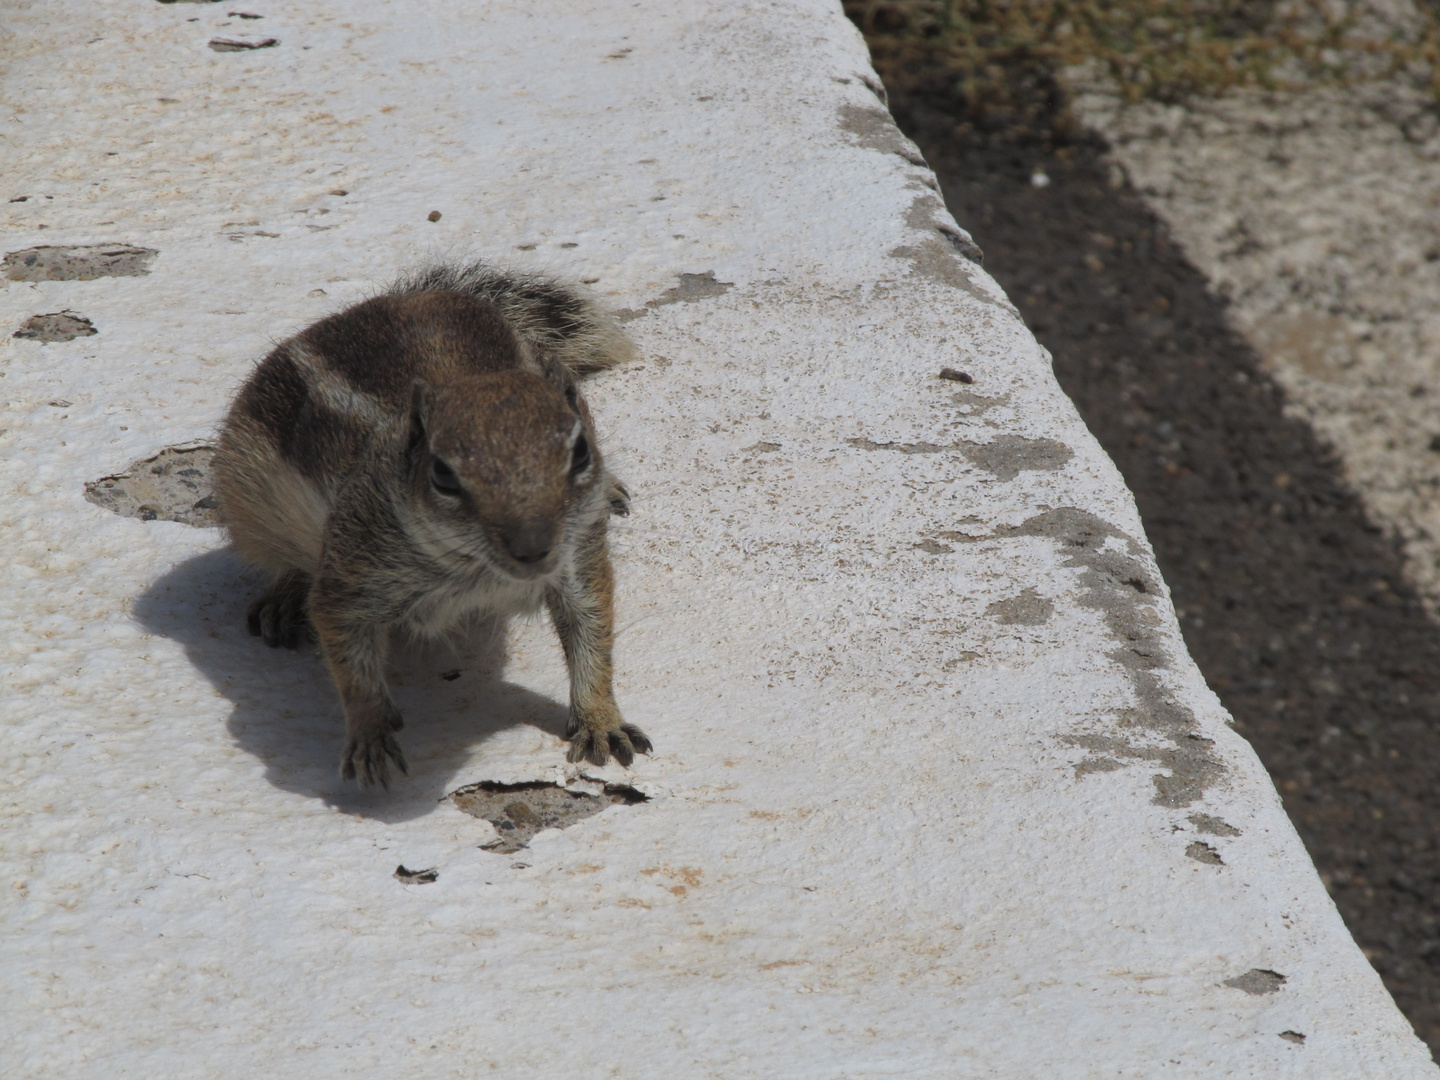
column 956, row 376
column 1039, row 180
column 434, row 215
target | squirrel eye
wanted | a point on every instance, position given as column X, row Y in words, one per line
column 443, row 478
column 580, row 456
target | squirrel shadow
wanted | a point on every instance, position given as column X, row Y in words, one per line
column 287, row 714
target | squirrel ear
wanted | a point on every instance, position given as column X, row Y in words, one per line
column 421, row 395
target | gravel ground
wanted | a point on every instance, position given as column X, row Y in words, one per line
column 1318, row 216
column 1295, row 605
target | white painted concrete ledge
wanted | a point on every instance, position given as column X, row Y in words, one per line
column 930, row 752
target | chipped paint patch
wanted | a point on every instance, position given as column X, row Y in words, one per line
column 1214, row 826
column 927, row 213
column 57, row 326
column 174, row 485
column 875, row 129
column 1204, row 853
column 692, row 288
column 520, row 811
column 1258, row 981
column 1004, row 456
column 1028, row 608
column 47, row 263
column 1161, row 728
column 934, row 254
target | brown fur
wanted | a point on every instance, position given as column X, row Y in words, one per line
column 422, row 457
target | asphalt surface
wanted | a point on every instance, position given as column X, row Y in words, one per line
column 1292, row 603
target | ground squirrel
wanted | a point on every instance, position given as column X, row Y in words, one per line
column 422, row 457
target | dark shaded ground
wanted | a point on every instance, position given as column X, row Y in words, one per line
column 1292, row 603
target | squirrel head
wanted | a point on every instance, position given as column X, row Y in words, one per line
column 504, row 468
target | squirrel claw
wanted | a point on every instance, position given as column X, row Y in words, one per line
column 638, row 739
column 619, row 496
column 597, row 747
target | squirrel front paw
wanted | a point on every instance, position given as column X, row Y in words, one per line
column 597, row 747
column 619, row 496
column 369, row 752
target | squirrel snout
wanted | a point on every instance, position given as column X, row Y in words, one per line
column 529, row 544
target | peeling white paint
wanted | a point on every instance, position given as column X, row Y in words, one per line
column 888, row 834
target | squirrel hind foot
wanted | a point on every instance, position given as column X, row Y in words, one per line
column 281, row 616
column 597, row 747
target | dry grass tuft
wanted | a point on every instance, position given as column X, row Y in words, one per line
column 998, row 59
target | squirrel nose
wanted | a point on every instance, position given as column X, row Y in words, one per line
column 529, row 544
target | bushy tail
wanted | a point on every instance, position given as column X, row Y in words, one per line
column 555, row 317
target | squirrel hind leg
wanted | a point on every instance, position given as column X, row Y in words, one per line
column 282, row 616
